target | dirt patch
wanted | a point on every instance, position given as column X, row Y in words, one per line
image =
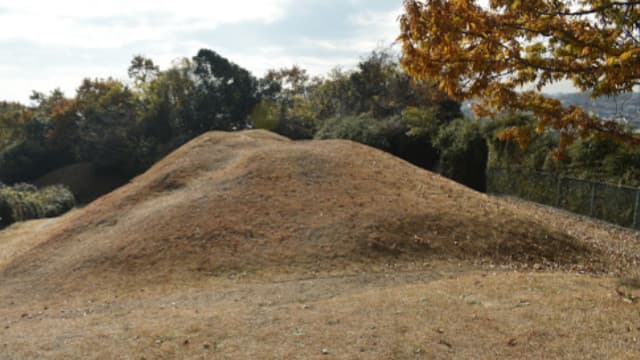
column 374, row 315
column 21, row 237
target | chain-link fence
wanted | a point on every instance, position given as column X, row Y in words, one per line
column 612, row 203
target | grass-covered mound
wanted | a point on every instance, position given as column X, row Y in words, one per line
column 22, row 202
column 253, row 200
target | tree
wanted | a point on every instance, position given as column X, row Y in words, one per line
column 32, row 140
column 225, row 94
column 533, row 155
column 12, row 118
column 62, row 112
column 289, row 81
column 105, row 111
column 286, row 106
column 142, row 69
column 373, row 84
column 168, row 104
column 494, row 53
column 463, row 153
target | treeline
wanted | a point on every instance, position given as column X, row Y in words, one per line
column 124, row 127
column 593, row 158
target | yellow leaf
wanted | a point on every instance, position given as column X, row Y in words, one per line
column 627, row 55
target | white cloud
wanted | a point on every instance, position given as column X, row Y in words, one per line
column 371, row 30
column 384, row 23
column 61, row 42
column 17, row 86
column 116, row 23
column 217, row 10
column 260, row 60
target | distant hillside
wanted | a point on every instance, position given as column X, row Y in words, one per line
column 624, row 107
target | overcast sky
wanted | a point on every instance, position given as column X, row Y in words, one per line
column 49, row 44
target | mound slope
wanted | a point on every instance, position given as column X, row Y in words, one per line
column 253, row 199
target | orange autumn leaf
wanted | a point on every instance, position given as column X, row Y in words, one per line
column 493, row 53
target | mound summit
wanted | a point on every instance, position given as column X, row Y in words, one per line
column 253, row 199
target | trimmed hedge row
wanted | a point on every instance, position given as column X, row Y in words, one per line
column 22, row 202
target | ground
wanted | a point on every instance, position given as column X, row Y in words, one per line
column 248, row 246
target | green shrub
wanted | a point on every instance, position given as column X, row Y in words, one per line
column 507, row 153
column 362, row 129
column 394, row 134
column 463, row 153
column 23, row 202
column 590, row 158
column 603, row 160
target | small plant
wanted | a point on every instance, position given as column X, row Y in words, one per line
column 22, row 202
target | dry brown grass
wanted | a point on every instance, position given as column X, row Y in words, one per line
column 426, row 314
column 22, row 237
column 248, row 245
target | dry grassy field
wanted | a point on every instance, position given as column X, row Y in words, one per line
column 249, row 246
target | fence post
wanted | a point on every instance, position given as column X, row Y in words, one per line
column 635, row 210
column 593, row 198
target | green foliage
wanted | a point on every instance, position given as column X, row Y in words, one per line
column 603, row 160
column 504, row 153
column 12, row 118
column 577, row 182
column 363, row 129
column 390, row 134
column 524, row 183
column 122, row 129
column 28, row 144
column 332, row 96
column 380, row 88
column 167, row 104
column 422, row 136
column 460, row 143
column 126, row 129
column 106, row 116
column 591, row 158
column 609, row 202
column 463, row 153
column 297, row 128
column 376, row 85
column 423, row 122
column 23, row 202
column 265, row 115
column 287, row 106
column 33, row 155
column 377, row 88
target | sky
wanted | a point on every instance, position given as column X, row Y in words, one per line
column 55, row 44
column 49, row 44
